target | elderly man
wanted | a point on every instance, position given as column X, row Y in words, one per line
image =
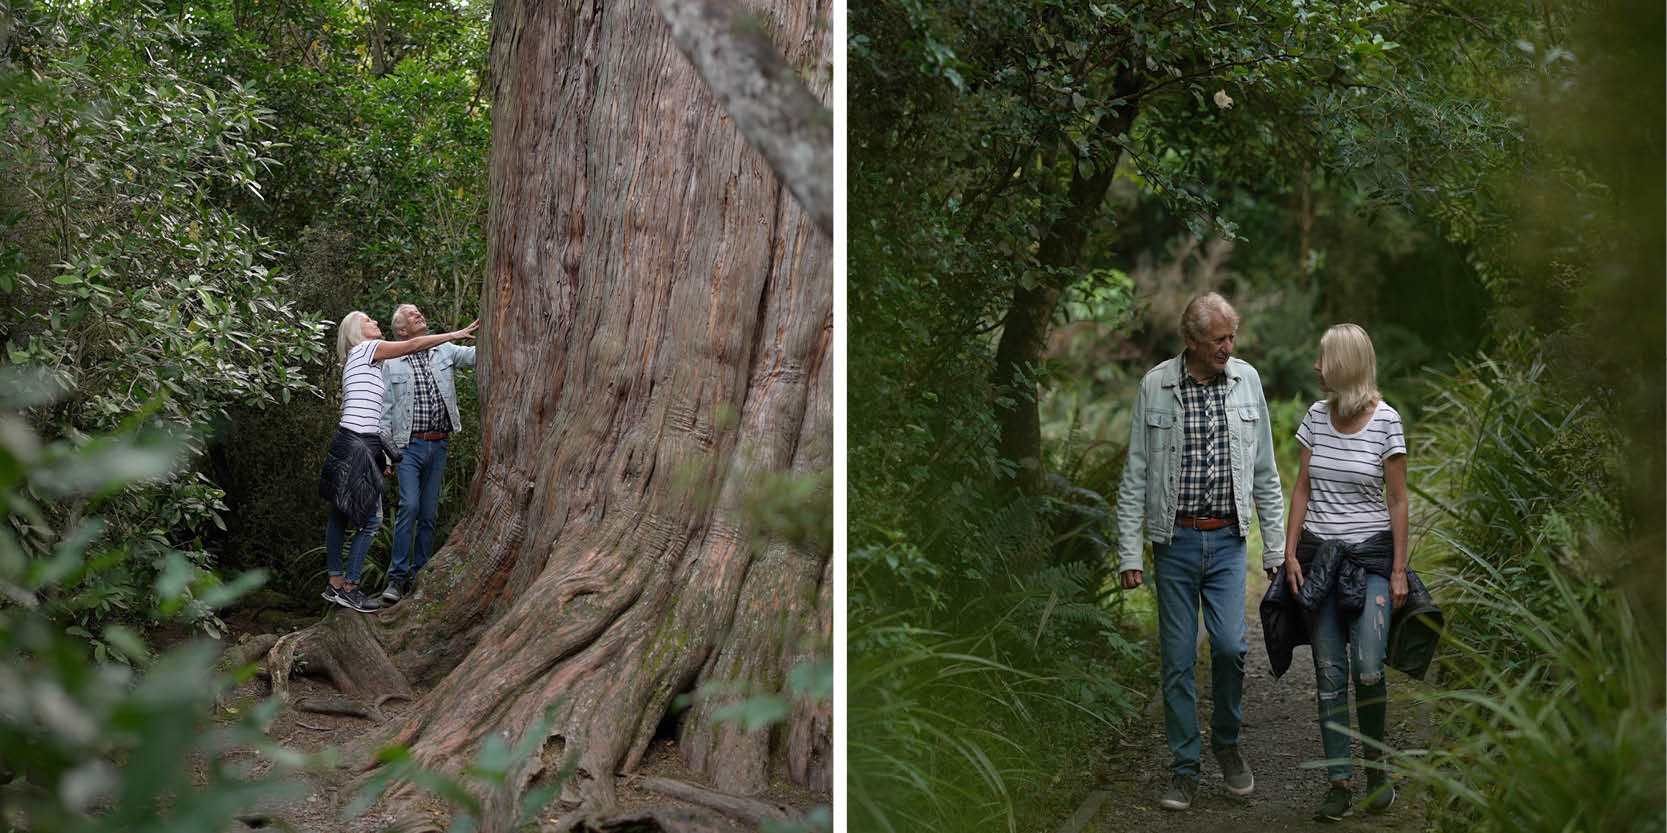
column 1200, row 455
column 420, row 411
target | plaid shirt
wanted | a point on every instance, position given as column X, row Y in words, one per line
column 428, row 409
column 1206, row 468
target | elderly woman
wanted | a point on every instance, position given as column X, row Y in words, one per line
column 352, row 477
column 1348, row 536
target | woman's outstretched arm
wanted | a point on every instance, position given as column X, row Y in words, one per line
column 395, row 349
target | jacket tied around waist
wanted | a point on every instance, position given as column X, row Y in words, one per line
column 1337, row 569
column 351, row 479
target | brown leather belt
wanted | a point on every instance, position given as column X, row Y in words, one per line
column 1204, row 524
column 432, row 436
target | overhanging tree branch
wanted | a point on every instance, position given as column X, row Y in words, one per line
column 777, row 114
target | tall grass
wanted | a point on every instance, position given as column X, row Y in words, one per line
column 977, row 675
column 1550, row 716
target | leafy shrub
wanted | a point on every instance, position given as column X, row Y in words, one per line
column 1551, row 714
column 1504, row 463
column 94, row 735
column 127, row 279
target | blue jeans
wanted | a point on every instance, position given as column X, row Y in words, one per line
column 335, row 531
column 421, row 472
column 1197, row 568
column 1368, row 633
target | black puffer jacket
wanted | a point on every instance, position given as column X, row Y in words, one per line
column 1335, row 568
column 352, row 475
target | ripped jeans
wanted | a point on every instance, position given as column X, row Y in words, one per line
column 1368, row 636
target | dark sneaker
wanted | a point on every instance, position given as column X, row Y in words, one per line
column 1181, row 790
column 355, row 600
column 393, row 592
column 333, row 594
column 1380, row 791
column 1336, row 803
column 1235, row 771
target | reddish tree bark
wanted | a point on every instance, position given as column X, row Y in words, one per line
column 656, row 335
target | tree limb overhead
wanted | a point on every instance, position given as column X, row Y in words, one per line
column 781, row 118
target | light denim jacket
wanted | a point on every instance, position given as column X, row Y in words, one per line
column 398, row 381
column 1152, row 478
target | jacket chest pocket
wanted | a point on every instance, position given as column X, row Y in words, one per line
column 399, row 374
column 1160, row 431
column 1245, row 422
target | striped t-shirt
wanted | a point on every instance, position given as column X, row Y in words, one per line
column 1345, row 473
column 362, row 390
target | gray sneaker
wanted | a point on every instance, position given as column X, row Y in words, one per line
column 1380, row 791
column 333, row 596
column 1234, row 770
column 393, row 592
column 1335, row 805
column 1181, row 790
column 355, row 600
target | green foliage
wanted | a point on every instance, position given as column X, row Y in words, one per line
column 795, row 508
column 918, row 758
column 1506, row 463
column 94, row 734
column 378, row 198
column 1578, row 272
column 1542, row 466
column 976, row 665
column 1564, row 737
column 945, row 733
column 1551, row 707
column 128, row 280
column 483, row 795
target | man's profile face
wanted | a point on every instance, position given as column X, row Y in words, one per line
column 1217, row 346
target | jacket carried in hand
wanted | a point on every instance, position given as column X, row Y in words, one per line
column 1334, row 568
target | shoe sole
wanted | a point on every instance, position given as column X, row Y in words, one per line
column 1171, row 805
column 1247, row 790
column 1332, row 819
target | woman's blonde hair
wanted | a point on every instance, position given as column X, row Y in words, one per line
column 1350, row 368
column 350, row 334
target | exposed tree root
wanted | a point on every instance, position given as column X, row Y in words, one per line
column 344, row 647
column 749, row 811
column 341, row 706
column 253, row 649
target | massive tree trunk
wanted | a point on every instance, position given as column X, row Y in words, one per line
column 656, row 337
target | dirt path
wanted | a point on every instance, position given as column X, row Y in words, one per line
column 1281, row 732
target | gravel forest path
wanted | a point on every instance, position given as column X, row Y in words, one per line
column 1281, row 733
